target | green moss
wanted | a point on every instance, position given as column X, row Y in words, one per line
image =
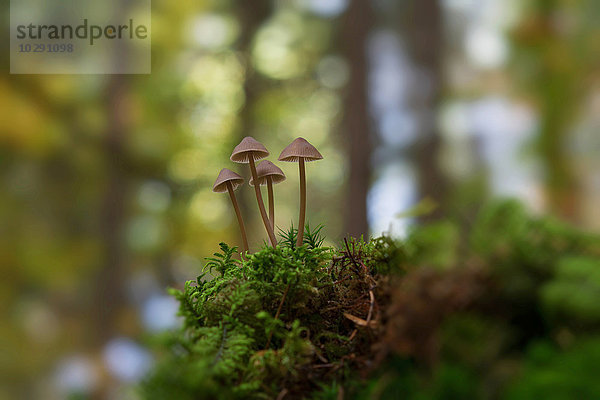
column 275, row 320
column 552, row 374
column 447, row 313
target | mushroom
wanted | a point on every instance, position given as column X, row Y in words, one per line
column 228, row 181
column 300, row 150
column 269, row 174
column 247, row 152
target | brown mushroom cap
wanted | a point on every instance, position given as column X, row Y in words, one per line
column 265, row 169
column 248, row 147
column 227, row 175
column 300, row 148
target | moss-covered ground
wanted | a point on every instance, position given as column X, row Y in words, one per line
column 507, row 307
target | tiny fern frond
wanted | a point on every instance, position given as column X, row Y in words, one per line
column 222, row 262
column 313, row 238
column 289, row 237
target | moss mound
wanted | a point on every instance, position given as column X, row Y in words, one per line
column 495, row 309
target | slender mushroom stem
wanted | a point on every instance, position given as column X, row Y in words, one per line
column 271, row 202
column 239, row 216
column 261, row 206
column 302, row 202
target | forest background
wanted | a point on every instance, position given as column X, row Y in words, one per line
column 106, row 179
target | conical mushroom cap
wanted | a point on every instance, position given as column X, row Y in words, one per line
column 248, row 147
column 227, row 175
column 265, row 169
column 298, row 149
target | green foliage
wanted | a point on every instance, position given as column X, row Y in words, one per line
column 313, row 237
column 222, row 262
column 289, row 237
column 264, row 322
column 435, row 245
column 473, row 341
column 523, row 252
column 573, row 295
column 506, row 309
column 552, row 374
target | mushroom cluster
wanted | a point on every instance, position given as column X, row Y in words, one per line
column 266, row 174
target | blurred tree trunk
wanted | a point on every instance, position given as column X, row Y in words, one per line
column 110, row 285
column 251, row 15
column 558, row 88
column 424, row 34
column 356, row 125
column 561, row 61
column 563, row 189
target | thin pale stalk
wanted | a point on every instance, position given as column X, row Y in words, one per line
column 261, row 205
column 271, row 202
column 302, row 203
column 239, row 216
